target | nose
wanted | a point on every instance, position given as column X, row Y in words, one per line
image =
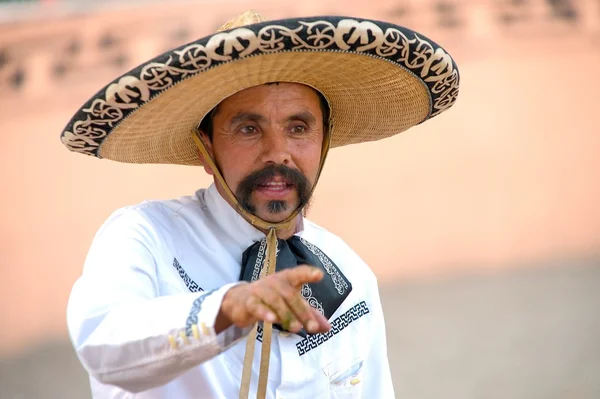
column 275, row 148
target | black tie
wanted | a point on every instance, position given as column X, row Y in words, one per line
column 326, row 296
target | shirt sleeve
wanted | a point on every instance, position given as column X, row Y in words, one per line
column 123, row 332
column 378, row 379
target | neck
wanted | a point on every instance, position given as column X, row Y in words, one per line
column 295, row 226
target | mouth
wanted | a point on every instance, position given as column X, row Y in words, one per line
column 275, row 188
column 276, row 185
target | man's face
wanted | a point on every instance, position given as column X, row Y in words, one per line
column 267, row 142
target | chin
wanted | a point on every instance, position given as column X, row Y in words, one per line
column 274, row 218
column 274, row 211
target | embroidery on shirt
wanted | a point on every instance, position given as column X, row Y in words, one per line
column 192, row 318
column 312, row 341
column 260, row 256
column 259, row 259
column 312, row 301
column 340, row 284
column 191, row 284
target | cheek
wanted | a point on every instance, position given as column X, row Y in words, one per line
column 227, row 168
column 309, row 158
column 234, row 166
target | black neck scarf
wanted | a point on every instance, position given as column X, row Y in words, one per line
column 326, row 295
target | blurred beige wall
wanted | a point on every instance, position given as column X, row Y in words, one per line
column 510, row 174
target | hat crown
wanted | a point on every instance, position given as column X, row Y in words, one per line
column 248, row 18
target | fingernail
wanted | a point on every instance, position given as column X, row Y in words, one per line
column 270, row 317
column 312, row 326
column 316, row 273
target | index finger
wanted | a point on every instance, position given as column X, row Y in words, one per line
column 300, row 275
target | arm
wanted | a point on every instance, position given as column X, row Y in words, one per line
column 124, row 333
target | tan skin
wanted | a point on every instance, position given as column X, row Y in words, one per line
column 269, row 124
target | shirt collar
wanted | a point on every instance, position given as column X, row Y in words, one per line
column 231, row 222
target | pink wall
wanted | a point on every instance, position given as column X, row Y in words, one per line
column 510, row 174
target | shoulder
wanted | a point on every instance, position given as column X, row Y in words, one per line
column 337, row 249
column 151, row 217
column 320, row 235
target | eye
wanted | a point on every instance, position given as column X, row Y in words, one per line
column 298, row 129
column 248, row 129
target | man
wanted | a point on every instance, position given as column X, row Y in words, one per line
column 232, row 292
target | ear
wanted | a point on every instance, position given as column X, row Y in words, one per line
column 209, row 149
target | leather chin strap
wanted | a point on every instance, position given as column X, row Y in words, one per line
column 268, row 267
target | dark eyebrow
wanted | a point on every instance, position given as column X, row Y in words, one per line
column 246, row 116
column 305, row 117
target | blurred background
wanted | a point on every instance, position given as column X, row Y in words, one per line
column 483, row 225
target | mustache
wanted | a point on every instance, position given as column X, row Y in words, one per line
column 262, row 176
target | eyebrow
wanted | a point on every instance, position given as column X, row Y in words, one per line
column 305, row 116
column 246, row 116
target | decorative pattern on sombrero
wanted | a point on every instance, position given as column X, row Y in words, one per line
column 426, row 60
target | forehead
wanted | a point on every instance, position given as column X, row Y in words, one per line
column 282, row 95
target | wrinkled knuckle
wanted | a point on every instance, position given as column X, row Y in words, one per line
column 274, row 278
column 289, row 295
column 272, row 281
column 277, row 303
column 255, row 289
column 233, row 314
column 250, row 303
column 255, row 308
column 288, row 273
column 306, row 316
column 300, row 303
column 281, row 303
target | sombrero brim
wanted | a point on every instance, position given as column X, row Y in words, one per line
column 380, row 79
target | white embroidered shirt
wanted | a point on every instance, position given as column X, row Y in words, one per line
column 141, row 315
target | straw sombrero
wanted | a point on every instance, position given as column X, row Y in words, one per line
column 380, row 79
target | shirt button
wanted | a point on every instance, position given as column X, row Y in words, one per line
column 355, row 381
